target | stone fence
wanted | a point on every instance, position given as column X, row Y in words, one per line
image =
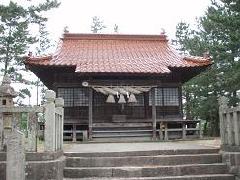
column 19, row 158
column 230, row 135
column 229, row 124
column 53, row 115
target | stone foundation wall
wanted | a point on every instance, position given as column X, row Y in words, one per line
column 39, row 166
column 231, row 156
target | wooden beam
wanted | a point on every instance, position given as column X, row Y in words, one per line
column 154, row 114
column 90, row 113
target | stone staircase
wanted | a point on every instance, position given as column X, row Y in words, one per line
column 188, row 164
column 122, row 131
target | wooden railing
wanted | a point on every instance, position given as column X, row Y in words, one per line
column 182, row 132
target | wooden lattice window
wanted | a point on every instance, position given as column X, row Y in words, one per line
column 171, row 97
column 158, row 97
column 165, row 97
column 74, row 96
column 67, row 95
column 81, row 96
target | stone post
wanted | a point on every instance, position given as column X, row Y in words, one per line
column 32, row 132
column 15, row 156
column 223, row 101
column 50, row 121
column 1, row 131
column 59, row 106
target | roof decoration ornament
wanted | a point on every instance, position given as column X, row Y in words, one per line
column 163, row 32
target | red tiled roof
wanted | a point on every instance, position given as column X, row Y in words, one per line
column 96, row 53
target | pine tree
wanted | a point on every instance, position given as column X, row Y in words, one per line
column 15, row 36
column 218, row 32
column 97, row 25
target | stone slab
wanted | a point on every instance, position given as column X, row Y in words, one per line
column 142, row 160
column 155, row 171
column 142, row 153
column 15, row 156
column 192, row 177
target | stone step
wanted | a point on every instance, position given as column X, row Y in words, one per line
column 120, row 132
column 123, row 131
column 154, row 171
column 143, row 160
column 116, row 134
column 122, row 139
column 144, row 153
column 105, row 132
column 121, row 125
column 189, row 177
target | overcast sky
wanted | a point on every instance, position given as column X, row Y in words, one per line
column 132, row 16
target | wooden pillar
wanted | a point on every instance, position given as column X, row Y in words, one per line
column 154, row 121
column 146, row 104
column 90, row 113
column 163, row 103
column 74, row 139
column 166, row 131
column 200, row 130
column 180, row 100
column 183, row 131
column 161, row 131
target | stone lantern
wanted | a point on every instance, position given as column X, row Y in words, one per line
column 7, row 94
